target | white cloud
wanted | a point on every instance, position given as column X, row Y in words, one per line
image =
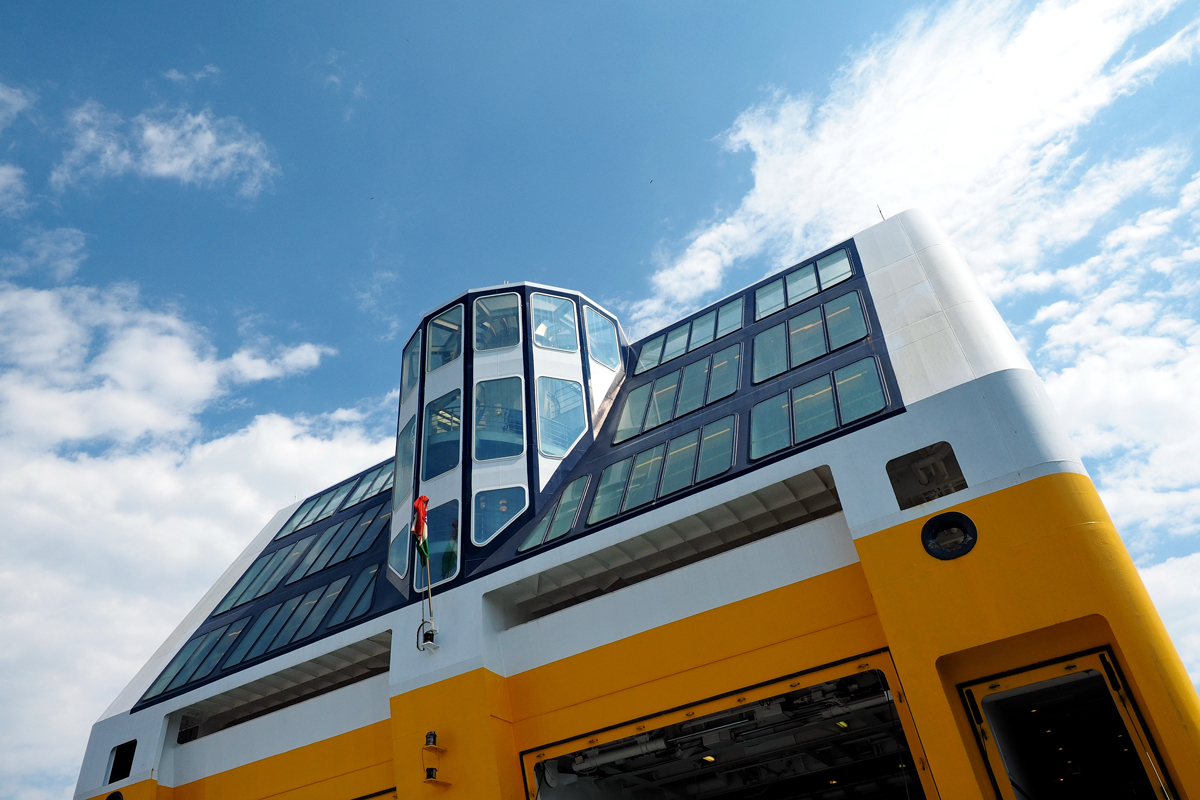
column 184, row 78
column 12, row 190
column 1176, row 593
column 197, row 149
column 119, row 511
column 971, row 112
column 12, row 102
column 57, row 252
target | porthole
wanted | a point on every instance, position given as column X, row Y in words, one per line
column 949, row 535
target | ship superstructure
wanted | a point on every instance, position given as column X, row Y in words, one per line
column 822, row 538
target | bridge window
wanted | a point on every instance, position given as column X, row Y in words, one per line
column 691, row 388
column 499, row 419
column 859, row 391
column 834, row 268
column 844, row 316
column 410, row 366
column 554, row 323
column 680, row 463
column 676, row 344
column 769, row 299
column 703, row 329
column 770, row 426
column 443, row 540
column 770, row 353
column 643, row 478
column 561, row 418
column 662, row 401
column 630, row 422
column 716, row 448
column 602, row 338
column 729, row 317
column 801, row 284
column 494, row 510
column 559, row 517
column 443, row 427
column 406, row 455
column 607, row 501
column 497, row 322
column 812, row 409
column 806, row 337
column 725, row 370
column 445, row 338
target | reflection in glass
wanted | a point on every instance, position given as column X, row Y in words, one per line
column 770, row 426
column 358, row 599
column 497, row 322
column 217, row 653
column 251, row 636
column 442, row 527
column 724, row 380
column 499, row 419
column 729, row 317
column 538, row 534
column 398, row 552
column 568, row 508
column 662, row 401
column 445, row 338
column 300, row 514
column 716, row 448
column 440, row 443
column 768, row 299
column 844, row 316
column 770, row 353
column 648, row 358
column 494, row 509
column 680, row 463
column 806, row 335
column 561, row 418
column 410, row 366
column 406, row 454
column 812, row 409
column 801, row 284
column 834, row 268
column 703, row 329
column 859, row 390
column 554, row 323
column 632, row 414
column 328, row 598
column 691, row 388
column 643, row 478
column 602, row 338
column 676, row 344
column 608, row 492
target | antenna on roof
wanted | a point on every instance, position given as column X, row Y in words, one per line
column 880, row 210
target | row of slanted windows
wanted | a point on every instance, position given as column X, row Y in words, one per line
column 789, row 419
column 247, row 638
column 675, row 394
column 342, row 496
column 497, row 327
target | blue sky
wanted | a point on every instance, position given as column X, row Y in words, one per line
column 218, row 225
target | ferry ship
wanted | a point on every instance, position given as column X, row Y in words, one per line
column 824, row 538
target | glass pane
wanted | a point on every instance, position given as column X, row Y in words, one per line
column 301, row 512
column 729, row 317
column 398, row 552
column 494, row 509
column 331, row 549
column 768, row 299
column 806, row 337
column 703, row 328
column 174, row 667
column 272, row 564
column 358, row 527
column 812, row 409
column 272, row 630
column 643, row 478
column 554, row 323
column 499, row 419
column 497, row 322
column 716, row 448
column 207, row 642
column 251, row 636
column 336, row 501
column 834, row 268
column 630, row 423
column 445, row 338
column 801, row 284
column 363, row 490
column 725, row 368
column 442, row 535
column 290, row 558
column 649, row 356
column 676, row 344
column 368, row 538
column 443, row 426
column 316, row 509
column 406, row 455
column 368, row 597
column 410, row 366
column 602, row 338
column 363, row 585
column 770, row 426
column 217, row 653
column 680, row 463
column 608, row 492
column 770, row 353
column 328, row 598
column 662, row 401
column 301, row 612
column 844, row 316
column 691, row 390
column 538, row 533
column 561, row 418
column 313, row 553
column 240, row 587
column 859, row 390
column 568, row 508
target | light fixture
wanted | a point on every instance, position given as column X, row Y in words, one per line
column 831, row 783
column 709, row 759
column 841, row 724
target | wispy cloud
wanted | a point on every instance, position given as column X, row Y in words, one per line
column 209, row 71
column 12, row 191
column 971, row 111
column 57, row 253
column 194, row 148
column 12, row 102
